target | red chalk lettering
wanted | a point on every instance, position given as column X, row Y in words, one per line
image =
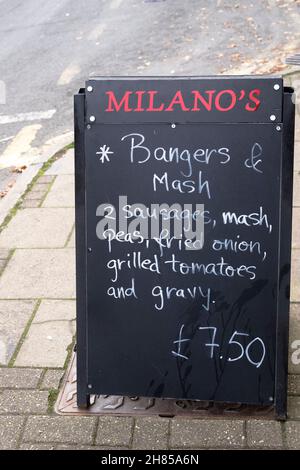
column 253, row 96
column 218, row 105
column 207, row 103
column 177, row 99
column 113, row 105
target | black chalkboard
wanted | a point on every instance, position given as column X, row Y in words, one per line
column 157, row 316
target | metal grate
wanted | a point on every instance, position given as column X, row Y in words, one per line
column 141, row 406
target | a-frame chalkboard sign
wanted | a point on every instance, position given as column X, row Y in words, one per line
column 183, row 238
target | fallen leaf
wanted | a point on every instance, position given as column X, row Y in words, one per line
column 19, row 169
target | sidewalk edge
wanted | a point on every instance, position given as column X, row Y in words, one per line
column 19, row 188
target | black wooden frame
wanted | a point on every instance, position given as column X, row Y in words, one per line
column 80, row 229
column 283, row 301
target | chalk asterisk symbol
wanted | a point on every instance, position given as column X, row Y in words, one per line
column 104, row 153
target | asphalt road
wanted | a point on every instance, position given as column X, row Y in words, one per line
column 48, row 50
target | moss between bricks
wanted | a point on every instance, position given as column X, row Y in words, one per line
column 46, row 193
column 11, row 252
column 40, row 173
column 70, row 350
column 52, row 397
column 24, row 334
column 69, row 146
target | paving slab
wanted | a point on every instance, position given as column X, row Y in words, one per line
column 71, row 242
column 76, row 447
column 151, row 433
column 294, row 339
column 297, row 153
column 46, row 179
column 39, row 273
column 61, row 429
column 294, row 407
column 40, row 187
column 296, row 191
column 294, row 383
column 14, row 315
column 35, row 195
column 4, row 253
column 50, row 333
column 31, row 203
column 214, row 433
column 292, row 433
column 37, row 447
column 114, row 431
column 297, row 128
column 296, row 228
column 64, row 165
column 52, row 379
column 23, row 401
column 2, row 264
column 14, row 377
column 264, row 434
column 62, row 193
column 295, row 276
column 10, row 430
column 38, row 228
